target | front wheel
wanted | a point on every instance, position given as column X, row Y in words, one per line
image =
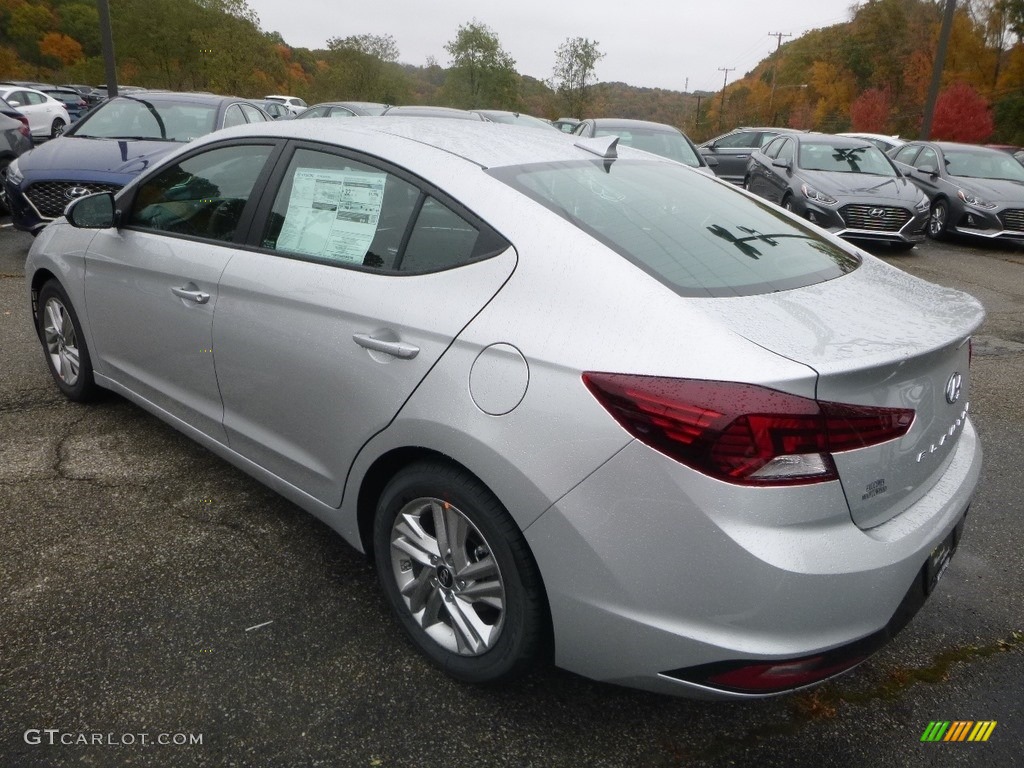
column 57, row 128
column 67, row 355
column 938, row 220
column 787, row 202
column 458, row 574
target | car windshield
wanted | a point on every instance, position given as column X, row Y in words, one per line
column 664, row 143
column 696, row 236
column 131, row 117
column 513, row 118
column 822, row 156
column 983, row 164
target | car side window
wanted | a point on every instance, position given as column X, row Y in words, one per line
column 788, row 150
column 17, row 99
column 202, row 196
column 906, row 155
column 766, row 136
column 315, row 112
column 341, row 112
column 338, row 210
column 772, row 150
column 252, row 114
column 233, row 116
column 740, row 140
column 440, row 239
column 927, row 157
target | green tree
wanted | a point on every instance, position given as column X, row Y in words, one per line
column 482, row 73
column 575, row 63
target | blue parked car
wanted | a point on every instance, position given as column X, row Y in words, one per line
column 110, row 146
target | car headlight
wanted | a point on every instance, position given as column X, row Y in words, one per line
column 924, row 203
column 974, row 200
column 14, row 174
column 815, row 196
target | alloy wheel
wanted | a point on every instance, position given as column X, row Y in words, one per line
column 447, row 576
column 61, row 341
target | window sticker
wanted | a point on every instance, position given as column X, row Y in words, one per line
column 332, row 214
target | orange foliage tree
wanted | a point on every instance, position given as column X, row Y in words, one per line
column 64, row 49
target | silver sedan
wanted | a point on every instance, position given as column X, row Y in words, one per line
column 576, row 402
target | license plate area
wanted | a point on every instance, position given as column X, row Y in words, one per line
column 940, row 557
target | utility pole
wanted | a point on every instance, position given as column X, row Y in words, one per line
column 107, row 42
column 721, row 112
column 775, row 66
column 940, row 62
column 696, row 118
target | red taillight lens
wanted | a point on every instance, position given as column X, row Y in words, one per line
column 743, row 433
column 24, row 130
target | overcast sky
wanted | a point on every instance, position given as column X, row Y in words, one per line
column 647, row 43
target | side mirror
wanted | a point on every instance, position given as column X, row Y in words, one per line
column 782, row 163
column 711, row 161
column 929, row 170
column 94, row 211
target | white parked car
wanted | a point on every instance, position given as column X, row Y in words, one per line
column 47, row 117
column 294, row 104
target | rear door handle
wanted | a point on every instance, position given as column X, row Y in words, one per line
column 394, row 348
column 199, row 297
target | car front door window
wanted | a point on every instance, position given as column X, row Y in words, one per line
column 203, row 196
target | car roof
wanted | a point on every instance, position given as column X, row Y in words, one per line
column 485, row 144
column 430, row 111
column 183, row 96
column 831, row 138
column 622, row 122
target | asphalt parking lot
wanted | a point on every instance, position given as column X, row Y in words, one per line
column 151, row 593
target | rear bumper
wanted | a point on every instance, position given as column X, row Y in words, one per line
column 684, row 571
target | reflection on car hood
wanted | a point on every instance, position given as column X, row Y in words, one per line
column 862, row 185
column 993, row 190
column 70, row 153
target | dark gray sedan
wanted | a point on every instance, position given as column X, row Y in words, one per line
column 972, row 190
column 845, row 185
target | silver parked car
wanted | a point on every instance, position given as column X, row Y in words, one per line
column 572, row 399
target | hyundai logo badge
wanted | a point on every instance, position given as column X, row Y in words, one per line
column 953, row 388
column 877, row 213
column 72, row 192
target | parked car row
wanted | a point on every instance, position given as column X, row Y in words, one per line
column 111, row 145
column 876, row 188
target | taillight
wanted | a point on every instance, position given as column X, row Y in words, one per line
column 24, row 130
column 743, row 433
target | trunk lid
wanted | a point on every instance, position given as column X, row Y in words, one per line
column 879, row 337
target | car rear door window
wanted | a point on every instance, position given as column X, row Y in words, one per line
column 203, row 196
column 339, row 210
column 252, row 114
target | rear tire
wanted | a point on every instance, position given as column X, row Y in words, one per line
column 458, row 574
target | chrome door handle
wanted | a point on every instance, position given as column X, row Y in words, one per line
column 199, row 297
column 394, row 348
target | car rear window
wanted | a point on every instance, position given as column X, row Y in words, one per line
column 696, row 235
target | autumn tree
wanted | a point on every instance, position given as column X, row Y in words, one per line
column 870, row 111
column 61, row 48
column 482, row 73
column 361, row 67
column 575, row 64
column 962, row 114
